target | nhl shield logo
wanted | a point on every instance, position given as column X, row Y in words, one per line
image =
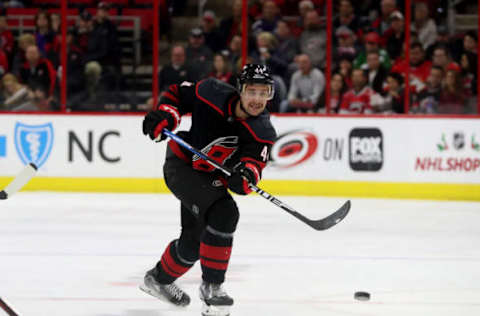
column 33, row 142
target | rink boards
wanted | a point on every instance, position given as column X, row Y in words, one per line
column 430, row 158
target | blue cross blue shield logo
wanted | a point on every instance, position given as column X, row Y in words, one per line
column 33, row 142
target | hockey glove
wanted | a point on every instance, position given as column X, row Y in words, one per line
column 155, row 121
column 243, row 174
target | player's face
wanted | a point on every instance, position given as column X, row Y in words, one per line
column 254, row 98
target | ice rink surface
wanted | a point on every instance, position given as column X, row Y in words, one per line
column 86, row 254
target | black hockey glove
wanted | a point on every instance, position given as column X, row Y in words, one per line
column 243, row 174
column 155, row 121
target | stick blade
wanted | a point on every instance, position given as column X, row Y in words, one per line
column 19, row 181
column 332, row 219
column 6, row 308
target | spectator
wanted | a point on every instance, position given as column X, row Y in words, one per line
column 427, row 99
column 346, row 17
column 419, row 67
column 6, row 37
column 375, row 72
column 221, row 68
column 383, row 22
column 102, row 58
column 211, row 33
column 424, row 25
column 229, row 27
column 468, row 63
column 306, row 86
column 267, row 54
column 470, row 42
column 441, row 58
column 452, row 98
column 345, row 67
column 287, row 44
column 394, row 37
column 198, row 54
column 346, row 41
column 304, row 7
column 3, row 63
column 177, row 71
column 83, row 27
column 75, row 66
column 338, row 88
column 234, row 51
column 313, row 39
column 38, row 71
column 43, row 101
column 372, row 44
column 56, row 21
column 394, row 99
column 443, row 39
column 44, row 35
column 268, row 21
column 24, row 41
column 359, row 98
column 15, row 94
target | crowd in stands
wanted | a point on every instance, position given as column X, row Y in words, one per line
column 289, row 36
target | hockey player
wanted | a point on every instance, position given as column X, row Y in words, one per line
column 232, row 127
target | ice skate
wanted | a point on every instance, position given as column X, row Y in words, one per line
column 216, row 301
column 166, row 292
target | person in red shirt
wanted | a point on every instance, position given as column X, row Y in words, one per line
column 6, row 37
column 358, row 99
column 221, row 69
column 419, row 67
column 38, row 71
column 3, row 63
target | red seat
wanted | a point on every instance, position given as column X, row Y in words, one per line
column 50, row 2
column 146, row 16
column 59, row 11
column 93, row 11
column 120, row 2
column 22, row 11
column 82, row 2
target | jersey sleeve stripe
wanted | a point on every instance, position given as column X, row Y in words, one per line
column 171, row 97
column 206, row 101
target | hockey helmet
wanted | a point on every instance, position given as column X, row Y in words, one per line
column 255, row 74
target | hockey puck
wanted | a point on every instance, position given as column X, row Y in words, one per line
column 362, row 296
column 3, row 195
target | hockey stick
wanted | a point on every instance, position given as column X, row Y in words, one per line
column 20, row 180
column 7, row 308
column 321, row 224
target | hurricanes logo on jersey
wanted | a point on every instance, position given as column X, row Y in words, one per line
column 219, row 150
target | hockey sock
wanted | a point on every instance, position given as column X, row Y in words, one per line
column 215, row 251
column 172, row 265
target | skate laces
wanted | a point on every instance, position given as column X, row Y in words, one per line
column 174, row 290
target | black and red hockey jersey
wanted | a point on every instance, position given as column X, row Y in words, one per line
column 215, row 129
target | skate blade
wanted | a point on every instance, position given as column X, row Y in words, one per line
column 211, row 310
column 147, row 290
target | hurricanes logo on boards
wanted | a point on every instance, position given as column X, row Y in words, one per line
column 33, row 142
column 293, row 148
